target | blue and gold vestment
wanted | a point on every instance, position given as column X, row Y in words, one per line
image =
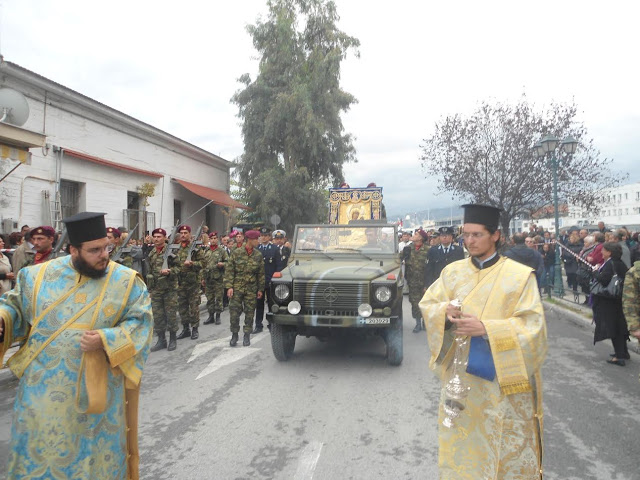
column 75, row 413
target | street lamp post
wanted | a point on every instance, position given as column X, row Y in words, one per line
column 548, row 146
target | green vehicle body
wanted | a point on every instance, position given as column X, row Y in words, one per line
column 344, row 278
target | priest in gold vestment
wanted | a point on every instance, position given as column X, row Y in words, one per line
column 86, row 324
column 492, row 304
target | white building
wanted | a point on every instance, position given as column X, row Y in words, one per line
column 87, row 156
column 618, row 207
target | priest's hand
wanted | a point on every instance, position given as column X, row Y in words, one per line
column 468, row 325
column 91, row 341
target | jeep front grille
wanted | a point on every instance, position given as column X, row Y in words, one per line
column 320, row 297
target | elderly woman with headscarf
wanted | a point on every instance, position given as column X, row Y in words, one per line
column 607, row 312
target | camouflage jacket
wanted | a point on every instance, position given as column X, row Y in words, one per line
column 155, row 281
column 244, row 272
column 415, row 262
column 31, row 259
column 212, row 271
column 189, row 276
column 125, row 259
column 631, row 297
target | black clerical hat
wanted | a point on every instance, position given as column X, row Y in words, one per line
column 482, row 214
column 85, row 226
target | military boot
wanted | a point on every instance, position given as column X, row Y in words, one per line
column 234, row 339
column 172, row 341
column 194, row 333
column 161, row 343
column 209, row 320
column 418, row 326
column 246, row 340
column 185, row 333
column 218, row 318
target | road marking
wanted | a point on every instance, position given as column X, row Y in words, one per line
column 308, row 461
column 228, row 356
column 205, row 347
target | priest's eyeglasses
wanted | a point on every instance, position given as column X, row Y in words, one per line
column 474, row 235
column 98, row 250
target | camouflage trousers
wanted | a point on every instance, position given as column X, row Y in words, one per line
column 188, row 305
column 416, row 292
column 215, row 296
column 239, row 303
column 164, row 304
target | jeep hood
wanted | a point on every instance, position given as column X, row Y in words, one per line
column 337, row 270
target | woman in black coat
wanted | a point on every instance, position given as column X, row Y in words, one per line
column 607, row 312
column 570, row 262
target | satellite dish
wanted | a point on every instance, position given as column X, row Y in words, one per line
column 14, row 108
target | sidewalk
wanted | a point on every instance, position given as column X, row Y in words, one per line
column 581, row 315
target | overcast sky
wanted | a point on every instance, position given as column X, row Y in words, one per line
column 174, row 65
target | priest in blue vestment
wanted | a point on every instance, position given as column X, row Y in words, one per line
column 86, row 324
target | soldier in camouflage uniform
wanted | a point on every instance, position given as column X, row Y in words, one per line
column 631, row 299
column 163, row 287
column 415, row 262
column 188, row 284
column 244, row 280
column 237, row 238
column 42, row 240
column 216, row 258
column 114, row 236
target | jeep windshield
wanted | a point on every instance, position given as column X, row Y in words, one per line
column 345, row 239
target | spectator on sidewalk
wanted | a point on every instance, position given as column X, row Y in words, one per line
column 523, row 253
column 549, row 259
column 570, row 263
column 622, row 236
column 607, row 312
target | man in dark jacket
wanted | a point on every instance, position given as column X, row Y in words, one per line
column 442, row 255
column 526, row 255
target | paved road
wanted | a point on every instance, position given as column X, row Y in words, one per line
column 338, row 411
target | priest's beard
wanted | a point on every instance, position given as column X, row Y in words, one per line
column 83, row 267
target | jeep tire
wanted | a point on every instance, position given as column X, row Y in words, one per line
column 283, row 341
column 393, row 339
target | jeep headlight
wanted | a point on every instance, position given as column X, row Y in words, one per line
column 383, row 294
column 281, row 292
column 365, row 310
column 294, row 308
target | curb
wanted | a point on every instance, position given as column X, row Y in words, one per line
column 583, row 318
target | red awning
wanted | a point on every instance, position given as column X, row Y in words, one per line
column 109, row 163
column 216, row 196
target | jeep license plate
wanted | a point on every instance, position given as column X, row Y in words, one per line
column 377, row 321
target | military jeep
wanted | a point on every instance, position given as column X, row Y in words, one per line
column 340, row 278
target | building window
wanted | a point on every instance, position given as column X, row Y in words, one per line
column 626, row 211
column 637, row 195
column 69, row 198
column 177, row 211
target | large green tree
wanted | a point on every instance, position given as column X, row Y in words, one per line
column 487, row 157
column 294, row 142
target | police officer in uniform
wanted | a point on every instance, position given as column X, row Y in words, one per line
column 244, row 280
column 442, row 255
column 279, row 238
column 272, row 259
